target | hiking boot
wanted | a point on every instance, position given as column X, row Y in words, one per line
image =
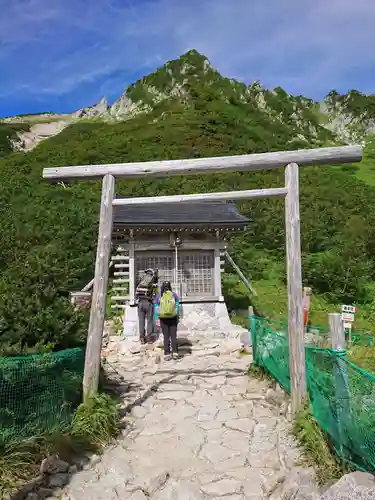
column 167, row 357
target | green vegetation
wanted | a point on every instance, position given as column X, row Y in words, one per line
column 317, row 453
column 365, row 171
column 363, row 356
column 94, row 425
column 26, row 115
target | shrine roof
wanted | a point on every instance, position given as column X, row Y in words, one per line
column 186, row 214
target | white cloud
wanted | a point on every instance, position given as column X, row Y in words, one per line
column 306, row 46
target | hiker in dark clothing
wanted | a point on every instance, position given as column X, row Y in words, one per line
column 167, row 310
column 145, row 292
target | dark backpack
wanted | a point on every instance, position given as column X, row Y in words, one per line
column 145, row 287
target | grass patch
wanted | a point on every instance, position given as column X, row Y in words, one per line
column 362, row 356
column 366, row 168
column 94, row 425
column 240, row 319
column 272, row 301
column 260, row 373
column 96, row 422
column 317, row 453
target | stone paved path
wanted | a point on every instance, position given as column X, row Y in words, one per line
column 197, row 429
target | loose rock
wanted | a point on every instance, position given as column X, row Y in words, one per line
column 275, row 397
column 58, row 480
column 53, row 465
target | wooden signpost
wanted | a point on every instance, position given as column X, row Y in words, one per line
column 347, row 315
column 290, row 160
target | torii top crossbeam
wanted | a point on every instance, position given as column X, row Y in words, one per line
column 238, row 163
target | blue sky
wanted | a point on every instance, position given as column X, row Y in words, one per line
column 61, row 55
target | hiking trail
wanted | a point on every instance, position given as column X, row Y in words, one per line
column 194, row 429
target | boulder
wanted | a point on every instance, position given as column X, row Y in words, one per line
column 354, row 486
column 53, row 465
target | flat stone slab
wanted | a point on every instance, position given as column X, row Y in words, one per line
column 200, row 429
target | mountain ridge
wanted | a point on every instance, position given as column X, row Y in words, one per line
column 346, row 118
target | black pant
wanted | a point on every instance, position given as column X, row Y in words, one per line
column 169, row 329
column 145, row 313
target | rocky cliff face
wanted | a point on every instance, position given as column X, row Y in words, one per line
column 97, row 110
column 350, row 116
column 347, row 118
column 27, row 140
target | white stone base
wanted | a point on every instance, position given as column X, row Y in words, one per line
column 204, row 317
column 131, row 321
column 197, row 319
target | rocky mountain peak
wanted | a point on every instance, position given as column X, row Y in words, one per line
column 98, row 109
column 171, row 81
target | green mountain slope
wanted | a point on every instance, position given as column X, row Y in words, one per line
column 48, row 236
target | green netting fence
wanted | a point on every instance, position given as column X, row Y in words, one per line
column 39, row 393
column 342, row 395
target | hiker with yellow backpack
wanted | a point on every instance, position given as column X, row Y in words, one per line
column 167, row 310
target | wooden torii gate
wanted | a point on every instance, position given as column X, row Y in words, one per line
column 290, row 160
